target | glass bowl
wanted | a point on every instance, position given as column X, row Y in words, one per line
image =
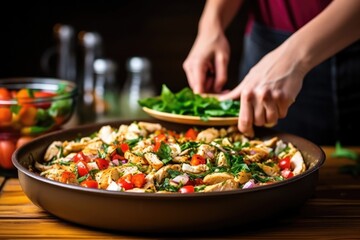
column 30, row 107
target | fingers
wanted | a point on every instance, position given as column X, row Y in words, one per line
column 221, row 63
column 259, row 108
column 246, row 116
column 196, row 75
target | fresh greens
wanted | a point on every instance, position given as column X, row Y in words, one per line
column 341, row 152
column 186, row 102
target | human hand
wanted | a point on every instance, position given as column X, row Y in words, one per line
column 206, row 64
column 268, row 90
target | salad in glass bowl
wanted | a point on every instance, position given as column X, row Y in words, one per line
column 30, row 107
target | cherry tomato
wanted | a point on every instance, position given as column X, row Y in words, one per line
column 197, row 159
column 102, row 163
column 24, row 96
column 89, row 183
column 4, row 94
column 28, row 115
column 138, row 180
column 22, row 140
column 5, row 115
column 187, row 189
column 284, row 163
column 81, row 168
column 44, row 94
column 191, row 134
column 7, row 148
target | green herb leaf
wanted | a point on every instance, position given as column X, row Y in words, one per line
column 341, row 152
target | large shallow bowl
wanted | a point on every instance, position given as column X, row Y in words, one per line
column 149, row 212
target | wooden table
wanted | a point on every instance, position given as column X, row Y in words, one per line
column 332, row 213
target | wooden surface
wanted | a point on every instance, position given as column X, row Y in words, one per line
column 332, row 213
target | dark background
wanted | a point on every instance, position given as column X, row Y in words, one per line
column 160, row 30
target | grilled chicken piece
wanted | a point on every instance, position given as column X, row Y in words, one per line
column 221, row 160
column 207, row 151
column 255, row 154
column 153, row 160
column 271, row 142
column 243, row 177
column 77, row 146
column 194, row 169
column 229, row 184
column 107, row 134
column 208, row 135
column 134, row 158
column 297, row 163
column 150, row 127
column 163, row 172
column 105, row 177
column 270, row 170
column 53, row 151
column 214, row 178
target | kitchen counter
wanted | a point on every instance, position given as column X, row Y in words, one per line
column 333, row 212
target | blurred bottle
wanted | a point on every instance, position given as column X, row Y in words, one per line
column 66, row 66
column 106, row 90
column 92, row 46
column 138, row 85
column 60, row 60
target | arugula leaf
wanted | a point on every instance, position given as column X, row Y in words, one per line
column 164, row 153
column 341, row 152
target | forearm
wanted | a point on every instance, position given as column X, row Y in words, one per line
column 217, row 15
column 331, row 31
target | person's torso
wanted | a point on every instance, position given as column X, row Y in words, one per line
column 285, row 15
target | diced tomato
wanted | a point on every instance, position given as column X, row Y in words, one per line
column 125, row 183
column 89, row 183
column 158, row 140
column 138, row 180
column 287, row 173
column 80, row 156
column 197, row 159
column 68, row 177
column 44, row 94
column 124, row 147
column 284, row 163
column 82, row 168
column 102, row 163
column 191, row 134
column 187, row 189
column 198, row 181
column 115, row 156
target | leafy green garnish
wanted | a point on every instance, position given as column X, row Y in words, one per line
column 341, row 152
column 186, row 102
column 164, row 153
